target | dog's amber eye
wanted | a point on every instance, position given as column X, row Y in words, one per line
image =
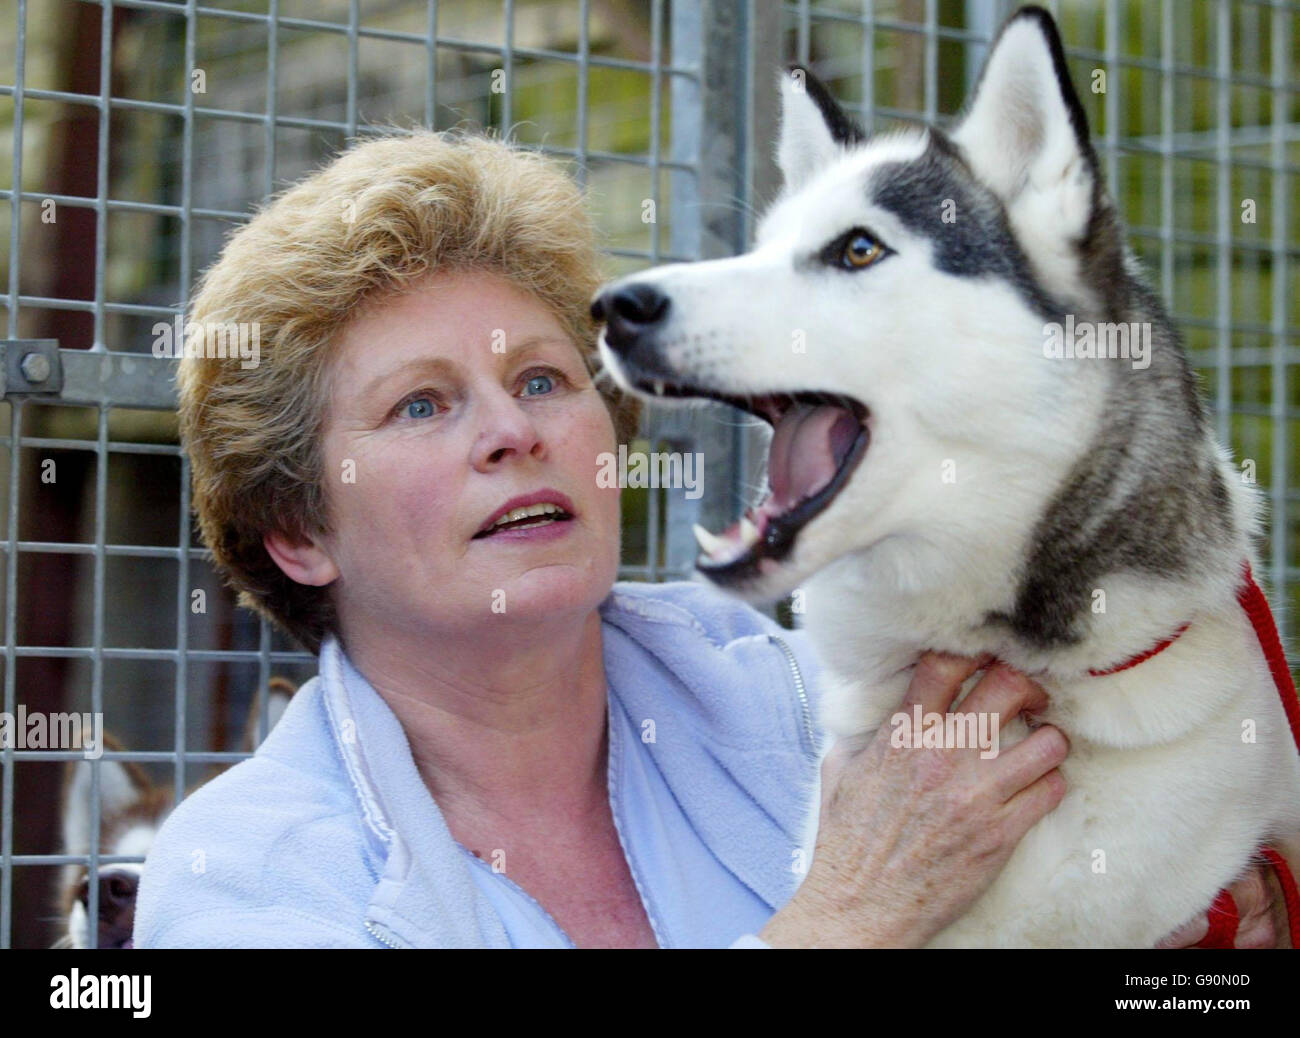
column 862, row 250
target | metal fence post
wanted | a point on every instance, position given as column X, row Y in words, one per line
column 735, row 46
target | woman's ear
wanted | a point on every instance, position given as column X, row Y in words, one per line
column 303, row 561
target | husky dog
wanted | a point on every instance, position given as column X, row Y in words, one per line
column 968, row 456
column 131, row 811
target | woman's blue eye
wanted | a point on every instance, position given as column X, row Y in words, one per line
column 540, row 378
column 419, row 408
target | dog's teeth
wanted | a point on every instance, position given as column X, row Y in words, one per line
column 709, row 543
column 748, row 531
column 659, row 387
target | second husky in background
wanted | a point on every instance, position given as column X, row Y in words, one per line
column 131, row 811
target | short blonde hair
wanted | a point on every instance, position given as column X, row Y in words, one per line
column 379, row 217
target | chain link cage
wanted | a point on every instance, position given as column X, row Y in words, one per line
column 136, row 133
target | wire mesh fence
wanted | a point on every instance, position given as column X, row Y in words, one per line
column 141, row 131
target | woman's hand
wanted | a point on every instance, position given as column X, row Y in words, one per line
column 910, row 837
column 1260, row 909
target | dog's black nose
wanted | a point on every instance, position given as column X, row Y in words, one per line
column 117, row 889
column 117, row 909
column 629, row 311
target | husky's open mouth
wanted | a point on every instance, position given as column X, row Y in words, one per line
column 818, row 440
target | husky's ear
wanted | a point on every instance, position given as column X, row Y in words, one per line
column 121, row 784
column 281, row 690
column 814, row 128
column 1025, row 133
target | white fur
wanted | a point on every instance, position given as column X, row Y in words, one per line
column 804, row 146
column 116, row 793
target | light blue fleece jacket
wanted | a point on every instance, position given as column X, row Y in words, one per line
column 329, row 838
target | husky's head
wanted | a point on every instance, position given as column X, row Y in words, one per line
column 889, row 322
column 131, row 811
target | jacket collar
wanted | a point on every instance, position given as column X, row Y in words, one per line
column 426, row 896
column 734, row 786
column 728, row 757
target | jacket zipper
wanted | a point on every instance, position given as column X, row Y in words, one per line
column 380, row 937
column 802, row 693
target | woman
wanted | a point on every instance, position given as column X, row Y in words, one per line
column 504, row 747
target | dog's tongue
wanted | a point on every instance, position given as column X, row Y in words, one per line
column 808, row 446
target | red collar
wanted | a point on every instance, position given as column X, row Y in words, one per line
column 1142, row 657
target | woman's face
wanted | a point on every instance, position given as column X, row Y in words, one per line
column 447, row 401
